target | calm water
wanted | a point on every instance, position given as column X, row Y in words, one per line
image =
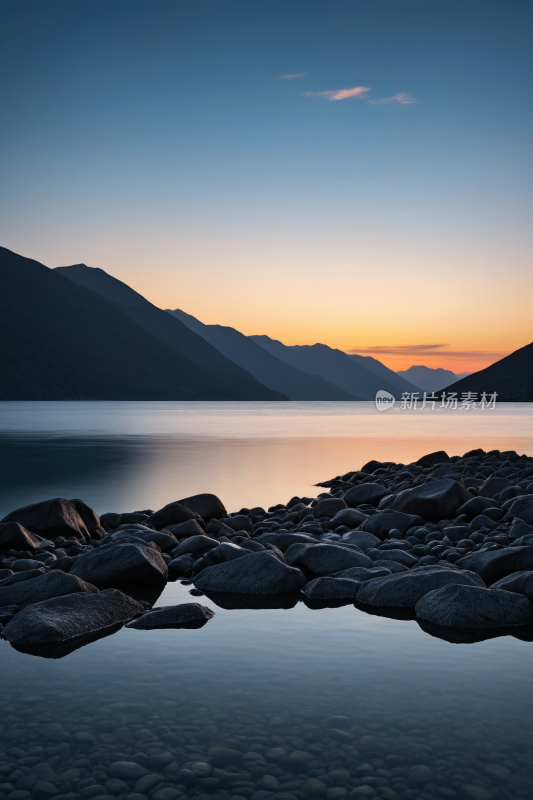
column 255, row 679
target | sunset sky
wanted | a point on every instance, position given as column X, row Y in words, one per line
column 352, row 173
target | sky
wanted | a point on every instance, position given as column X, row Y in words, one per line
column 352, row 173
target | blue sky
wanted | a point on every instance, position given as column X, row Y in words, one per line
column 160, row 141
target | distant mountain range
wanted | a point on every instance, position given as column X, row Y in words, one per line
column 75, row 333
column 431, row 380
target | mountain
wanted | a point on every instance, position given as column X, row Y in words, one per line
column 511, row 377
column 332, row 365
column 167, row 329
column 430, row 380
column 268, row 369
column 61, row 341
column 375, row 366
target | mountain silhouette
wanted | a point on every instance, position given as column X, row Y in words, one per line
column 378, row 368
column 511, row 377
column 430, row 379
column 61, row 341
column 268, row 369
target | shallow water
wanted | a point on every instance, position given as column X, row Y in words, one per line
column 252, row 679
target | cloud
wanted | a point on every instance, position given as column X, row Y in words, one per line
column 291, row 75
column 402, row 98
column 424, row 350
column 340, row 94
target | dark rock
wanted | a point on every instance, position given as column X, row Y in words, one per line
column 349, row 517
column 183, row 530
column 7, row 613
column 258, row 573
column 207, row 506
column 15, row 577
column 362, row 573
column 90, row 519
column 110, row 521
column 521, row 507
column 372, row 466
column 392, row 566
column 328, row 507
column 239, row 522
column 456, row 606
column 366, row 493
column 51, row 518
column 404, row 590
column 253, row 546
column 13, row 536
column 362, row 539
column 165, row 540
column 179, row 616
column 435, row 500
column 120, row 563
column 439, row 457
column 475, row 506
column 481, row 521
column 520, row 529
column 380, row 523
column 49, row 585
column 324, row 559
column 519, row 582
column 399, row 556
column 24, row 564
column 173, row 514
column 456, row 532
column 195, row 545
column 283, row 539
column 492, row 487
column 127, row 770
column 493, row 565
column 65, row 563
column 329, row 588
column 226, row 551
column 181, row 566
column 70, row 616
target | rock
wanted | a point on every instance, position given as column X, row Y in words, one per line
column 181, row 566
column 164, row 540
column 492, row 487
column 50, row 518
column 324, row 559
column 90, row 518
column 295, row 761
column 328, row 507
column 498, row 772
column 183, row 530
column 362, row 573
column 380, row 523
column 519, row 582
column 172, row 514
column 172, row 617
column 195, row 545
column 433, row 500
column 519, row 529
column 224, row 754
column 328, row 588
column 400, row 556
column 111, row 520
column 439, row 457
column 455, row 606
column 24, row 564
column 258, row 573
column 283, row 539
column 405, row 589
column 362, row 539
column 313, row 786
column 521, row 507
column 207, row 506
column 457, row 532
column 481, row 521
column 70, row 616
column 349, row 517
column 120, row 563
column 13, row 536
column 419, row 775
column 493, row 565
column 226, row 551
column 365, row 493
column 470, row 791
column 127, row 770
column 43, row 587
column 64, row 564
column 373, row 465
column 240, row 522
column 392, row 566
column 25, row 575
column 475, row 506
column 146, row 783
column 7, row 613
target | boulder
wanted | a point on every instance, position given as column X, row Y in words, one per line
column 226, row 551
column 70, row 616
column 324, row 559
column 207, row 506
column 23, row 564
column 380, row 523
column 164, row 540
column 43, row 587
column 120, row 563
column 284, row 539
column 328, row 507
column 180, row 566
column 519, row 529
column 328, row 588
column 519, row 582
column 15, row 577
column 185, row 614
column 195, row 545
column 439, row 457
column 405, row 589
column 183, row 530
column 110, row 520
column 51, row 518
column 493, row 565
column 391, row 566
column 362, row 539
column 475, row 506
column 373, row 465
column 349, row 517
column 172, row 514
column 259, row 573
column 400, row 556
column 462, row 606
column 521, row 507
column 492, row 487
column 362, row 573
column 13, row 536
column 90, row 519
column 240, row 522
column 365, row 493
column 433, row 500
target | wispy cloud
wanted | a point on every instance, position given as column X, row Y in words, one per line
column 340, row 94
column 402, row 98
column 424, row 350
column 291, row 75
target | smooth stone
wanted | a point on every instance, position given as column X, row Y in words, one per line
column 493, row 565
column 434, row 500
column 470, row 791
column 380, row 523
column 328, row 588
column 126, row 770
column 171, row 617
column 323, row 559
column 43, row 587
column 405, row 589
column 51, row 518
column 121, row 563
column 474, row 607
column 257, row 573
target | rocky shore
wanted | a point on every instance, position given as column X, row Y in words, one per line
column 448, row 541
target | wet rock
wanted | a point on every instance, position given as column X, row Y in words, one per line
column 519, row 582
column 328, row 507
column 350, row 517
column 120, row 563
column 172, row 617
column 43, row 587
column 195, row 545
column 366, row 493
column 14, row 536
column 207, row 506
column 70, row 616
column 362, row 539
column 323, row 559
column 173, row 514
column 380, row 523
column 493, row 565
column 226, row 551
column 434, row 500
column 327, row 588
column 404, row 590
column 400, row 556
column 284, row 539
column 258, row 573
column 464, row 606
column 50, row 518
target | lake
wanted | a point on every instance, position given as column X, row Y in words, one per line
column 307, row 703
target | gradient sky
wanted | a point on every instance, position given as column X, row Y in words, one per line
column 353, row 173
